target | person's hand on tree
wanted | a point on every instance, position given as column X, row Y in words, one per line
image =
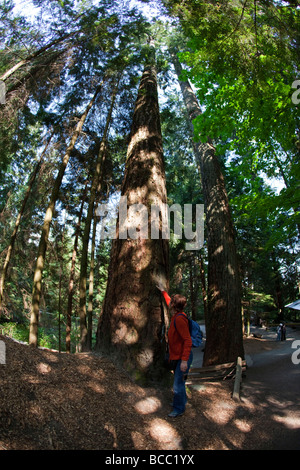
column 160, row 286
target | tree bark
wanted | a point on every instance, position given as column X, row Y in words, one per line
column 203, row 284
column 193, row 285
column 133, row 322
column 37, row 280
column 18, row 221
column 91, row 288
column 72, row 275
column 96, row 183
column 224, row 338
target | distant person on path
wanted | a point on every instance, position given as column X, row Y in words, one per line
column 180, row 349
column 279, row 332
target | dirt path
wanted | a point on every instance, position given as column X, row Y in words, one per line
column 268, row 415
column 273, row 383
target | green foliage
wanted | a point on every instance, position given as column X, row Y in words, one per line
column 243, row 63
column 20, row 331
column 14, row 330
column 242, row 59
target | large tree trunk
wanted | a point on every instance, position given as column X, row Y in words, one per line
column 224, row 338
column 37, row 280
column 131, row 328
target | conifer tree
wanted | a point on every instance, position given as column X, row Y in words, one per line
column 84, row 259
column 223, row 320
column 37, row 281
column 132, row 324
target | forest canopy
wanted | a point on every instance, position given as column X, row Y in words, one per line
column 70, row 74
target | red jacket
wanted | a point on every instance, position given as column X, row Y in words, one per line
column 179, row 338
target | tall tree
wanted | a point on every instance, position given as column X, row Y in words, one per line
column 96, row 184
column 132, row 324
column 223, row 321
column 37, row 280
column 72, row 273
column 18, row 221
column 91, row 288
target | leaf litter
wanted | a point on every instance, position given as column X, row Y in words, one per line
column 59, row 401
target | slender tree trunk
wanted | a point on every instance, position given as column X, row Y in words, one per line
column 132, row 326
column 37, row 280
column 278, row 294
column 60, row 260
column 85, row 240
column 203, row 285
column 59, row 310
column 18, row 221
column 192, row 285
column 72, row 276
column 91, row 288
column 224, row 339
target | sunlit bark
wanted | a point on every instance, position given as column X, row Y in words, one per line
column 132, row 324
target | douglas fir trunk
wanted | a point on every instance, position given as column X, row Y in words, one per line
column 224, row 339
column 133, row 322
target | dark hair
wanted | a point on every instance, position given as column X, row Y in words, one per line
column 178, row 302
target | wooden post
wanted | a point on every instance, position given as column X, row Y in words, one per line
column 238, row 378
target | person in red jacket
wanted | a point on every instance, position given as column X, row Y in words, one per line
column 180, row 349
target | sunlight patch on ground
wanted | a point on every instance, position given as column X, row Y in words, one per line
column 279, row 404
column 43, row 368
column 111, row 429
column 242, row 425
column 288, row 421
column 96, row 387
column 148, row 405
column 165, row 435
column 222, row 413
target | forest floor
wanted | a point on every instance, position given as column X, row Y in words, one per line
column 82, row 401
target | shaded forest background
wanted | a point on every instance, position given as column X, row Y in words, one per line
column 72, row 72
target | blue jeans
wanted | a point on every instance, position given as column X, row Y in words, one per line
column 180, row 398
